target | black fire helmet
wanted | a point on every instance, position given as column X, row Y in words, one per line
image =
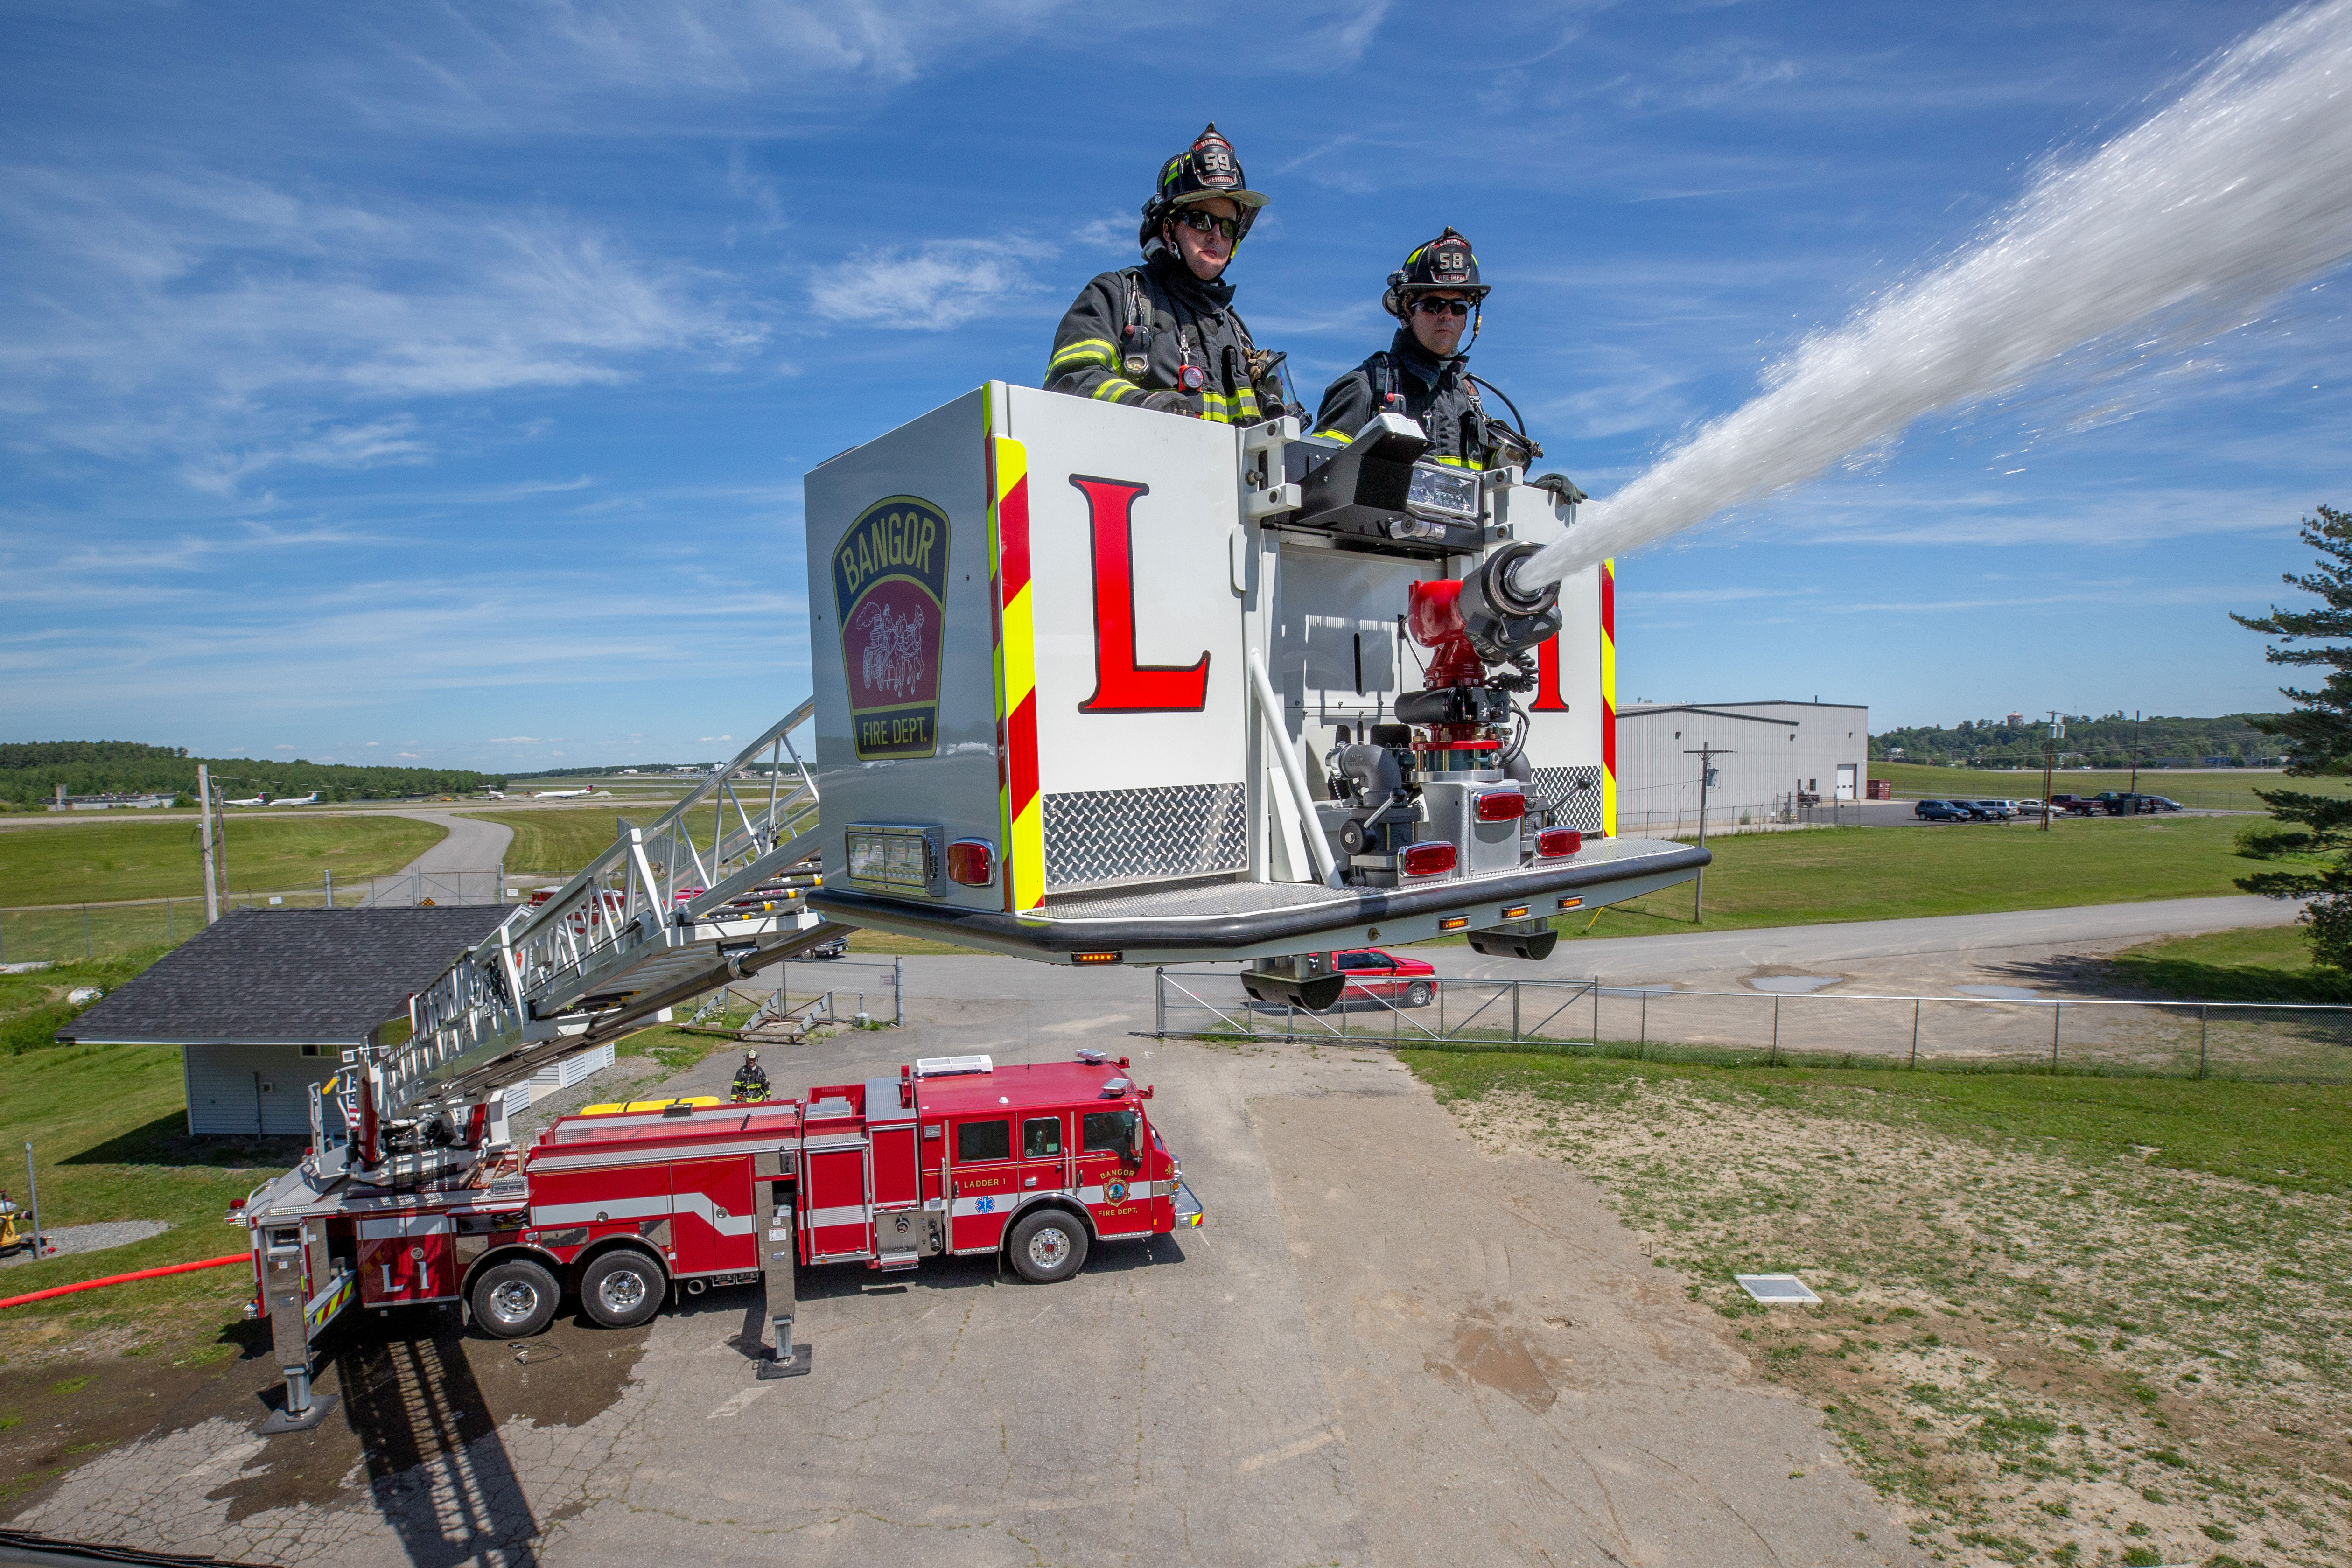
column 1445, row 262
column 1203, row 171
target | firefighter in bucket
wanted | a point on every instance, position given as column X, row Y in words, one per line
column 1424, row 372
column 1165, row 335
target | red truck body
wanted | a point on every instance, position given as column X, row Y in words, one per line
column 884, row 1173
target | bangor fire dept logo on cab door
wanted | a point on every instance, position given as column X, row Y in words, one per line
column 890, row 590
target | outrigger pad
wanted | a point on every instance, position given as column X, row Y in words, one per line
column 798, row 1364
column 321, row 1406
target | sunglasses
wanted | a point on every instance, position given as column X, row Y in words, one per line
column 1210, row 223
column 1455, row 308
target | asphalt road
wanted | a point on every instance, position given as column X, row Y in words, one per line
column 473, row 846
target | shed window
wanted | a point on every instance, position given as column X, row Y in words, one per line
column 983, row 1140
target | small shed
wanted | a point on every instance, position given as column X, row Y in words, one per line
column 264, row 1002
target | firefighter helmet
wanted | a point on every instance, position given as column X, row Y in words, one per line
column 1446, row 262
column 1203, row 171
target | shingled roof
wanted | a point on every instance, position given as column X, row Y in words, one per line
column 286, row 976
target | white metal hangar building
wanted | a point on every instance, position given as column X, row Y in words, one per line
column 1773, row 757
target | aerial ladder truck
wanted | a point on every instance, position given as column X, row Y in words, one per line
column 1092, row 685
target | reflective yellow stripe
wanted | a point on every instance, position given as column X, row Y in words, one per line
column 1455, row 462
column 1335, row 434
column 1114, row 390
column 1091, row 350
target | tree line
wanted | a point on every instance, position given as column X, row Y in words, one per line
column 31, row 770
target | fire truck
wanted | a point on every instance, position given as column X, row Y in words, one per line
column 625, row 1206
column 1091, row 686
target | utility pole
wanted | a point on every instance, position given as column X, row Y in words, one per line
column 2050, row 764
column 2134, row 778
column 205, row 832
column 1706, row 755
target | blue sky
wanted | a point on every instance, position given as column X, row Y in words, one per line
column 402, row 381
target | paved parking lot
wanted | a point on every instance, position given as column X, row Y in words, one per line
column 1385, row 1348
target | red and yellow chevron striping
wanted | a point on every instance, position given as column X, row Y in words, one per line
column 1609, row 698
column 1021, row 818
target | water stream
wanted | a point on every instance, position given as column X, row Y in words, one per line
column 2181, row 228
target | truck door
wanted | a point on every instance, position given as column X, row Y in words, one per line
column 1108, row 1178
column 1045, row 1152
column 713, row 1225
column 983, row 1181
column 835, row 1216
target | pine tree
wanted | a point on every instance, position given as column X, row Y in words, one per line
column 2318, row 735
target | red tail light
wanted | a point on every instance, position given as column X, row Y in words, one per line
column 1427, row 859
column 972, row 862
column 1554, row 842
column 1503, row 805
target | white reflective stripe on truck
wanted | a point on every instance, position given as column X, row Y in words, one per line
column 548, row 1216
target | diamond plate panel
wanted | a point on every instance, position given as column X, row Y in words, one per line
column 1581, row 808
column 1100, row 839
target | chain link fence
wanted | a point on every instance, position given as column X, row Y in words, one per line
column 2288, row 1042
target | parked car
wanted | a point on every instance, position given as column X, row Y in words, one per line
column 2031, row 808
column 2123, row 803
column 2165, row 802
column 1942, row 811
column 1995, row 810
column 1391, row 978
column 2073, row 805
column 832, row 948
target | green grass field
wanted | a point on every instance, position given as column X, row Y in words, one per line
column 2271, row 963
column 108, row 1130
column 1881, row 873
column 552, row 843
column 2214, row 791
column 162, row 859
column 2290, row 1135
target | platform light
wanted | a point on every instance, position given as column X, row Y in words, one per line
column 1554, row 842
column 1514, row 912
column 1111, row 957
column 1433, row 857
column 1571, row 903
column 1454, row 922
column 1502, row 806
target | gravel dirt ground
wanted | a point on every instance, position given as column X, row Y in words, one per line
column 1354, row 1363
column 2036, row 1358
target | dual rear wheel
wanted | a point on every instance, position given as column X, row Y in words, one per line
column 618, row 1289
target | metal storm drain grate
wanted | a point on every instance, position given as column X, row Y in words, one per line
column 1777, row 1290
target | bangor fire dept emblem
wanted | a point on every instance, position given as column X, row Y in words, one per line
column 890, row 591
column 1114, row 1189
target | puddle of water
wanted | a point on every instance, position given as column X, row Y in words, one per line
column 1792, row 985
column 1999, row 993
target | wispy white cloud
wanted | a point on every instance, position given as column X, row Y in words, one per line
column 929, row 286
column 240, row 326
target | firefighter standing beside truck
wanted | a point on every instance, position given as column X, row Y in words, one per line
column 1424, row 372
column 1165, row 335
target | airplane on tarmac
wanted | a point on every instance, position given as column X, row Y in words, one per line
column 560, row 794
column 311, row 799
column 256, row 800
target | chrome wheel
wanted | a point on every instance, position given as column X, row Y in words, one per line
column 1048, row 1247
column 513, row 1302
column 622, row 1291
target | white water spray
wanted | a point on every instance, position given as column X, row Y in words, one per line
column 2201, row 214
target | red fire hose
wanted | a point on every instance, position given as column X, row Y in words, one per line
column 126, row 1279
